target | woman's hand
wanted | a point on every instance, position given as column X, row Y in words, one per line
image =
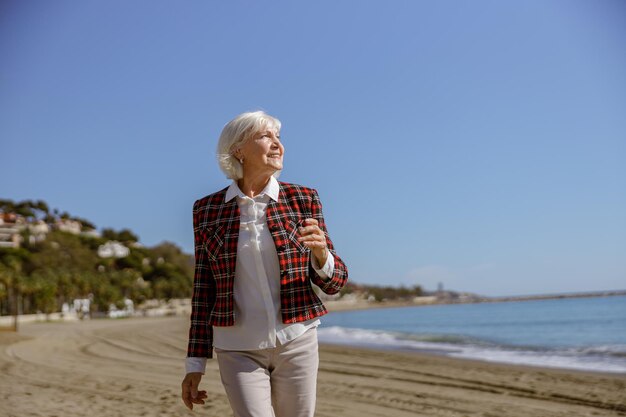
column 313, row 238
column 190, row 393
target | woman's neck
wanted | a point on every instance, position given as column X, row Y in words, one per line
column 253, row 186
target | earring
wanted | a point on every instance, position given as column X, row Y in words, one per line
column 241, row 161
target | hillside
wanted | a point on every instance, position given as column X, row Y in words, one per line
column 48, row 259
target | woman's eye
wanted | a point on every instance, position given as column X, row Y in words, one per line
column 269, row 136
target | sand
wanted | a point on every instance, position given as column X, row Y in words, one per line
column 133, row 367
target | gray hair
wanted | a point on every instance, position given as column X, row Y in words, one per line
column 235, row 134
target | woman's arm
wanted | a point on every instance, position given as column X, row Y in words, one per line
column 201, row 332
column 339, row 277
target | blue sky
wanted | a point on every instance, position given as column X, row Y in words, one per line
column 479, row 144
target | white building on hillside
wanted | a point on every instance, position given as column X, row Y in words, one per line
column 69, row 226
column 113, row 249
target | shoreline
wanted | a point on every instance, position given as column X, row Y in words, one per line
column 340, row 305
column 476, row 387
column 388, row 331
column 476, row 362
column 8, row 337
column 134, row 367
column 182, row 307
column 556, row 361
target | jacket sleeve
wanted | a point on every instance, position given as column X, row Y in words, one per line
column 334, row 283
column 203, row 299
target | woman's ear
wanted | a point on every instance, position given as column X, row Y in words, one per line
column 238, row 154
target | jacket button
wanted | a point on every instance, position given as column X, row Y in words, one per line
column 284, row 273
column 281, row 247
column 273, row 227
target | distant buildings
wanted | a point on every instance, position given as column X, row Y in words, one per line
column 69, row 226
column 13, row 228
column 113, row 249
column 38, row 231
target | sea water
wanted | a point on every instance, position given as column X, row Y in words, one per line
column 573, row 333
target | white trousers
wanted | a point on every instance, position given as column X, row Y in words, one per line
column 278, row 382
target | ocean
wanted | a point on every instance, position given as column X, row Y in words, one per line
column 569, row 333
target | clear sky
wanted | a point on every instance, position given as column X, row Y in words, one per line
column 481, row 144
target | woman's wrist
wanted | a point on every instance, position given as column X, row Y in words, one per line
column 321, row 257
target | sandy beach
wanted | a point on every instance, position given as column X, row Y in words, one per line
column 133, row 367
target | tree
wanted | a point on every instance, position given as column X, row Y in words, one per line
column 86, row 224
column 12, row 262
column 124, row 235
column 41, row 287
column 42, row 206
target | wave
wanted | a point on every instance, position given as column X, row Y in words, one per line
column 602, row 358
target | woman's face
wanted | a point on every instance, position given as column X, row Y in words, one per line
column 263, row 153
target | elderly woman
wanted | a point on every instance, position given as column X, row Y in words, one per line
column 260, row 244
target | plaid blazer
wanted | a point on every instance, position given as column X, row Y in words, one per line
column 216, row 231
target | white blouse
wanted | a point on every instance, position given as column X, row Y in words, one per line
column 258, row 323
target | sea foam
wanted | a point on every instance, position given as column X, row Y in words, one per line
column 604, row 358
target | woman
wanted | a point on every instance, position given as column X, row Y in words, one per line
column 259, row 244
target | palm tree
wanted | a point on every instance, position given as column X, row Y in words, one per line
column 10, row 271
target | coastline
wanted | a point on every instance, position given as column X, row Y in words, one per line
column 134, row 367
column 361, row 304
column 182, row 306
column 339, row 305
column 568, row 334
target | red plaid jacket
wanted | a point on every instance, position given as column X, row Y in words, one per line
column 216, row 231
